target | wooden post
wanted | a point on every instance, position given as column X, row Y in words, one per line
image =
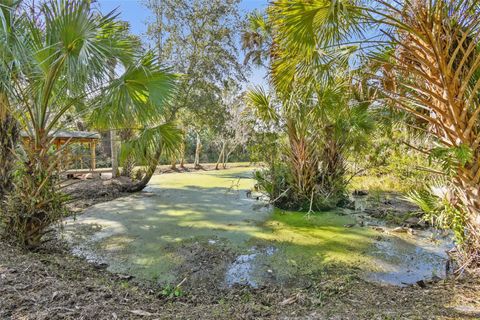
column 57, row 147
column 93, row 163
column 113, row 150
column 81, row 155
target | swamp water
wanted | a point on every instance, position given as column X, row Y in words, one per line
column 145, row 235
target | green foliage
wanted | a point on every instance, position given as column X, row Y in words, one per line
column 440, row 211
column 263, row 106
column 204, row 51
column 390, row 166
column 450, row 158
column 416, row 70
column 138, row 97
column 34, row 203
column 317, row 127
column 256, row 39
column 273, row 182
column 171, row 291
column 145, row 145
column 57, row 67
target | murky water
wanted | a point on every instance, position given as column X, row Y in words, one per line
column 245, row 271
column 137, row 235
column 406, row 259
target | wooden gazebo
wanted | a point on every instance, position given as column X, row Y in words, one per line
column 62, row 137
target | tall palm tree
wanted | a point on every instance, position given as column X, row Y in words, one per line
column 62, row 61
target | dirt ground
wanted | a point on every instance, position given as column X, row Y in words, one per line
column 53, row 284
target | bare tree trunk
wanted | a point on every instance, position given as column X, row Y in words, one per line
column 225, row 158
column 182, row 155
column 114, row 153
column 198, row 149
column 221, row 156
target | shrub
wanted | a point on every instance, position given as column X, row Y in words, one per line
column 33, row 204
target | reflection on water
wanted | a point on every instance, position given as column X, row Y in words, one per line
column 406, row 259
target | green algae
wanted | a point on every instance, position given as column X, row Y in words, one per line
column 174, row 208
column 308, row 244
column 327, row 233
column 149, row 234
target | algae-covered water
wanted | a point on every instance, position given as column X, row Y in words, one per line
column 142, row 235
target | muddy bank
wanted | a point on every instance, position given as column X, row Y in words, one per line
column 55, row 285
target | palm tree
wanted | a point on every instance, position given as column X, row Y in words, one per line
column 323, row 122
column 8, row 125
column 431, row 57
column 313, row 94
column 256, row 39
column 62, row 61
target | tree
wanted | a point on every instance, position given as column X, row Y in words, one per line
column 237, row 125
column 257, row 40
column 198, row 38
column 62, row 60
column 9, row 127
column 314, row 105
column 430, row 57
column 323, row 124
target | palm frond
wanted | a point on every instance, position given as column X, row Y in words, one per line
column 261, row 103
column 167, row 137
column 139, row 95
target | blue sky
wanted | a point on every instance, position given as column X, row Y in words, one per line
column 137, row 15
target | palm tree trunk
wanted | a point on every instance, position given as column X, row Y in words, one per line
column 139, row 186
column 128, row 167
column 303, row 163
column 9, row 136
column 332, row 173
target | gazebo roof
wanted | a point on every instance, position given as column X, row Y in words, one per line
column 70, row 135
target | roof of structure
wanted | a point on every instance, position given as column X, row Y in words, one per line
column 63, row 134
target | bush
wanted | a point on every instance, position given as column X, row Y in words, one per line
column 34, row 203
column 276, row 183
